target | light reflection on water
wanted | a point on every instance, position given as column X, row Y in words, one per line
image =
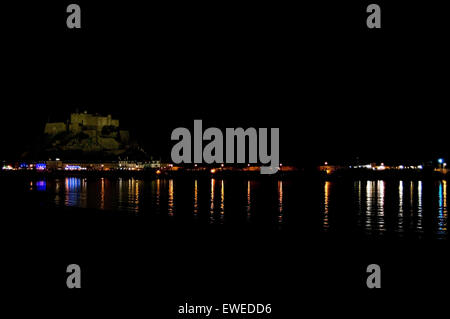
column 400, row 222
column 379, row 207
column 374, row 216
column 369, row 209
column 443, row 213
column 217, row 203
column 222, row 202
column 196, row 198
column 326, row 203
column 419, row 207
column 171, row 202
column 211, row 210
column 76, row 192
column 249, row 200
column 41, row 186
column 280, row 202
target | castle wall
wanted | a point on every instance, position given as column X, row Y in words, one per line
column 82, row 122
column 90, row 133
column 94, row 122
column 74, row 128
column 54, row 128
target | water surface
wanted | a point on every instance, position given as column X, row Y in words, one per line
column 375, row 208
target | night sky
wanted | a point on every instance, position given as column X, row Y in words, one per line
column 334, row 88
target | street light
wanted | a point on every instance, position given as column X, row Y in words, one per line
column 441, row 161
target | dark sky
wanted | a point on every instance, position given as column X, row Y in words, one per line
column 334, row 88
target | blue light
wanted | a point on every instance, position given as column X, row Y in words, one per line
column 41, row 185
column 441, row 160
column 41, row 166
column 73, row 167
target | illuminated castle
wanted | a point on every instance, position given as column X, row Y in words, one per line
column 81, row 122
column 94, row 131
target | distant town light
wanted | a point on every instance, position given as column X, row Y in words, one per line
column 73, row 168
column 41, row 166
column 326, row 163
column 57, row 159
column 420, row 167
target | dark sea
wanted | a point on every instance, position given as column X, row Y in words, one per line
column 148, row 246
column 375, row 208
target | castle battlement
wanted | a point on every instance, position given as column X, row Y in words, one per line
column 81, row 122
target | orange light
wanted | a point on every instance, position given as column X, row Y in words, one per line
column 213, row 171
column 158, row 172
